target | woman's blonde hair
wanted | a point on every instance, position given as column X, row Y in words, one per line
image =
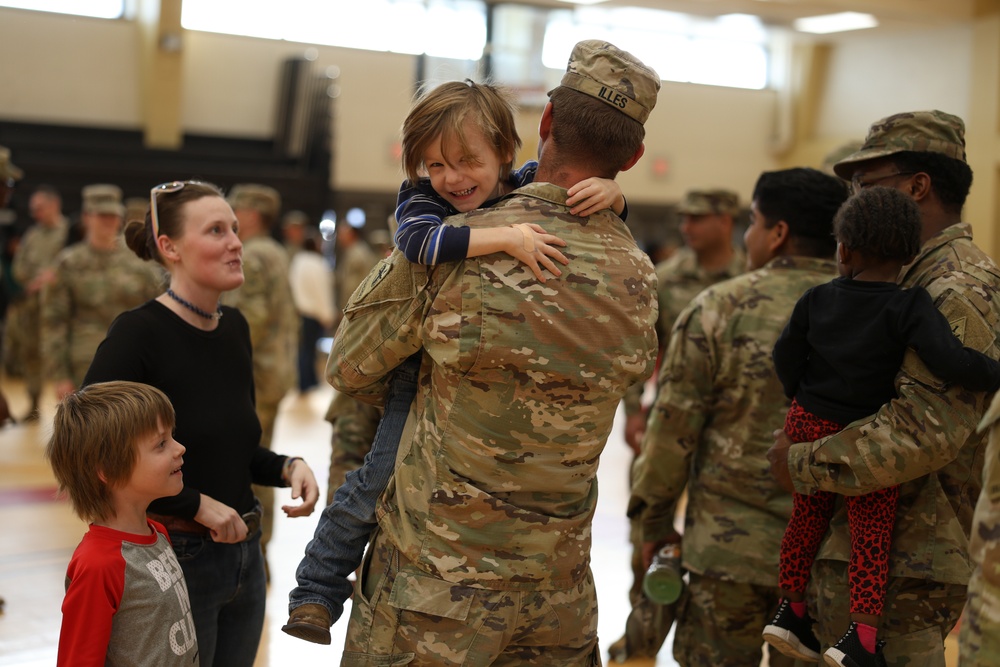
column 442, row 112
column 95, row 437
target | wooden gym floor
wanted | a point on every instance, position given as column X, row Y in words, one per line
column 40, row 533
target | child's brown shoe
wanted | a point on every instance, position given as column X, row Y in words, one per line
column 310, row 622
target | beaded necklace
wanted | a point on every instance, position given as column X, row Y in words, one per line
column 217, row 315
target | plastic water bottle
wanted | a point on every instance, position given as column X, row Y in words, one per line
column 662, row 583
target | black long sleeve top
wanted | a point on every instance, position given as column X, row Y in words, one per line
column 839, row 353
column 208, row 376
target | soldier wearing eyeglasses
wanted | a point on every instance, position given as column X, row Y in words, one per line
column 926, row 440
column 265, row 299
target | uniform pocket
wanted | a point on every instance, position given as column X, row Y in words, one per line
column 415, row 591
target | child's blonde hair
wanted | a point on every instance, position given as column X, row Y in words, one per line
column 94, row 441
column 442, row 111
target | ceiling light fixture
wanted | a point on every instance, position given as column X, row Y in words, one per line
column 822, row 25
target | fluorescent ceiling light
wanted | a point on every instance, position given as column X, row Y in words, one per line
column 828, row 23
column 583, row 2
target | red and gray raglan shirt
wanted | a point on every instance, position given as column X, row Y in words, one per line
column 126, row 603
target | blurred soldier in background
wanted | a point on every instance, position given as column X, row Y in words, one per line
column 265, row 299
column 95, row 280
column 33, row 269
column 354, row 422
column 708, row 257
column 9, row 175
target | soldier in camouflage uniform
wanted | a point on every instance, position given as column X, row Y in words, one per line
column 33, row 269
column 718, row 403
column 95, row 281
column 925, row 440
column 10, row 174
column 265, row 299
column 354, row 422
column 485, row 529
column 979, row 639
column 707, row 258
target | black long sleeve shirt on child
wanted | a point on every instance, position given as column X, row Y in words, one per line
column 839, row 353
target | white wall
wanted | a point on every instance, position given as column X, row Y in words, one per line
column 69, row 70
column 873, row 76
column 231, row 89
column 80, row 71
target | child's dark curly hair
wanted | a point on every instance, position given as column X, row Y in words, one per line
column 880, row 223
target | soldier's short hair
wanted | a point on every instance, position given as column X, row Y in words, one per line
column 951, row 179
column 48, row 191
column 95, row 437
column 807, row 201
column 881, row 223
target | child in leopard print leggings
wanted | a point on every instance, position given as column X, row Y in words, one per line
column 837, row 358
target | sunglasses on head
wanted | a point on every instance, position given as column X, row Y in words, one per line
column 163, row 189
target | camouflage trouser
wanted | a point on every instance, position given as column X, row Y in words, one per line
column 24, row 345
column 719, row 624
column 402, row 616
column 979, row 638
column 267, row 412
column 354, row 424
column 918, row 614
column 13, row 356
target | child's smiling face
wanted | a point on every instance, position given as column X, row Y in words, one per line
column 466, row 179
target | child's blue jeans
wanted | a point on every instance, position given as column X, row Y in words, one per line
column 338, row 544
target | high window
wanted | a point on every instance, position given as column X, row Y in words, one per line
column 102, row 9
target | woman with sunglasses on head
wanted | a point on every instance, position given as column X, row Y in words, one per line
column 198, row 353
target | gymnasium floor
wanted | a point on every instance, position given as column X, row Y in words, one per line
column 40, row 533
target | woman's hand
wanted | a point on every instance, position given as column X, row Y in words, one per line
column 303, row 483
column 226, row 524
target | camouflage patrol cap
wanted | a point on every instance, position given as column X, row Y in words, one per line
column 838, row 154
column 709, row 202
column 135, row 208
column 261, row 198
column 918, row 131
column 604, row 71
column 103, row 198
column 295, row 218
column 8, row 169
